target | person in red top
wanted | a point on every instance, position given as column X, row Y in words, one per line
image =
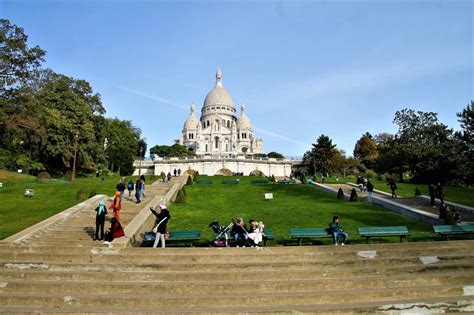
column 114, row 232
column 116, row 205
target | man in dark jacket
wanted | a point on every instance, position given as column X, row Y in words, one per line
column 431, row 190
column 370, row 190
column 393, row 188
column 138, row 190
column 121, row 188
column 336, row 229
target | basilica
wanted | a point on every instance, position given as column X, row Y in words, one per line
column 218, row 132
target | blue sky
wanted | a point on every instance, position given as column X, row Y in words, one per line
column 302, row 68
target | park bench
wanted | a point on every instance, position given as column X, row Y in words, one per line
column 287, row 181
column 177, row 236
column 259, row 181
column 446, row 230
column 203, row 181
column 369, row 232
column 268, row 236
column 230, row 181
column 308, row 233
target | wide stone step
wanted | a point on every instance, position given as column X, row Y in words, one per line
column 170, row 299
column 427, row 305
column 91, row 272
column 129, row 286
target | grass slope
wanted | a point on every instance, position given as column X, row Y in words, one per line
column 18, row 212
column 292, row 206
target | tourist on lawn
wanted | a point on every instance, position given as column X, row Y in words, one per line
column 160, row 229
column 121, row 188
column 370, row 190
column 393, row 188
column 138, row 187
column 240, row 232
column 142, row 193
column 336, row 229
column 439, row 192
column 116, row 205
column 431, row 190
column 130, row 188
column 100, row 221
column 114, row 232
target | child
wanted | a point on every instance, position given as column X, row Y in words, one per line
column 256, row 231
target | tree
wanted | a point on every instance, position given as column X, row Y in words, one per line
column 275, row 155
column 365, row 150
column 176, row 150
column 465, row 138
column 17, row 61
column 318, row 160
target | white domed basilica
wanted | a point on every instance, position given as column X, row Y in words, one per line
column 218, row 132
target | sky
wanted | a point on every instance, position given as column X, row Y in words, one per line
column 302, row 68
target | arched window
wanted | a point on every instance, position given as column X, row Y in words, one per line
column 216, row 142
column 206, row 147
column 207, row 123
column 228, row 124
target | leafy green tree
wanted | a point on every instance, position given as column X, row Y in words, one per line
column 275, row 155
column 465, row 138
column 319, row 158
column 176, row 150
column 365, row 150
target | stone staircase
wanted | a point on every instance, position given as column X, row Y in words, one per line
column 62, row 278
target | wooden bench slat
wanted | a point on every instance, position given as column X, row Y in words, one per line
column 446, row 230
column 305, row 233
column 381, row 231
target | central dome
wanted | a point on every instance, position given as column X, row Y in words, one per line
column 218, row 96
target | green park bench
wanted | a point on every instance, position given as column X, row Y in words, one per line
column 268, row 236
column 230, row 181
column 177, row 236
column 259, row 181
column 369, row 232
column 300, row 234
column 447, row 230
column 203, row 181
column 287, row 181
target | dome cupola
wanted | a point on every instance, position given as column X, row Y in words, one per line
column 192, row 122
column 218, row 100
column 244, row 120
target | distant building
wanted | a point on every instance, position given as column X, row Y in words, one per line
column 218, row 132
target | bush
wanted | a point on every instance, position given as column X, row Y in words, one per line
column 417, row 191
column 340, row 194
column 370, row 174
column 273, row 179
column 81, row 194
column 381, row 178
column 180, row 197
column 303, row 180
column 152, row 178
column 388, row 176
column 184, row 191
column 189, row 181
column 43, row 177
column 353, row 195
column 195, row 175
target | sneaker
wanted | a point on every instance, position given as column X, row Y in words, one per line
column 343, row 244
column 336, row 244
column 106, row 243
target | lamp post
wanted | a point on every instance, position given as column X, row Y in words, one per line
column 73, row 173
column 142, row 155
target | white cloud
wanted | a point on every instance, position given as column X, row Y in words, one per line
column 156, row 98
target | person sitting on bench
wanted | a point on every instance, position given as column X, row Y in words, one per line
column 337, row 231
column 256, row 231
column 240, row 232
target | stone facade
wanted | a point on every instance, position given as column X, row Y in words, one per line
column 219, row 133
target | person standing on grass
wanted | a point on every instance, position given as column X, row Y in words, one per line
column 100, row 221
column 393, row 188
column 370, row 190
column 121, row 188
column 130, row 188
column 431, row 190
column 439, row 192
column 116, row 205
column 336, row 229
column 138, row 188
column 160, row 228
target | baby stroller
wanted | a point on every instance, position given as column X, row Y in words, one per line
column 222, row 234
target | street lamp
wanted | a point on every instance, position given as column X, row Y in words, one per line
column 73, row 174
column 142, row 155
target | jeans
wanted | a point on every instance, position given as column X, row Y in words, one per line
column 240, row 239
column 337, row 234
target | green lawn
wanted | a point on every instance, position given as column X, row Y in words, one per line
column 462, row 195
column 292, row 206
column 18, row 212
